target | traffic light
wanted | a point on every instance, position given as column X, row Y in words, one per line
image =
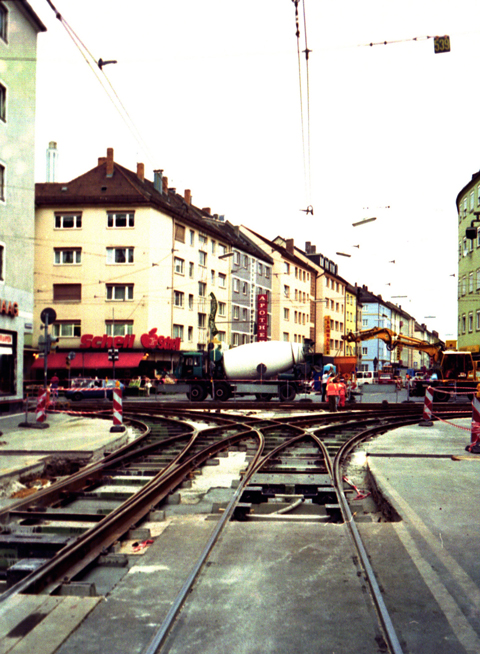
column 113, row 354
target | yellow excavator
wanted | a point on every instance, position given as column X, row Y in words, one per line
column 451, row 367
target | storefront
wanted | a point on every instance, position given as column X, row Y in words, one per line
column 149, row 356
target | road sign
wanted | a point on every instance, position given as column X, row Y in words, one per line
column 49, row 314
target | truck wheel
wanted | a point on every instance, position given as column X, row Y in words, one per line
column 222, row 392
column 197, row 393
column 286, row 393
column 263, row 397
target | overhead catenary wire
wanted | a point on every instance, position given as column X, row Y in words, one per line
column 305, row 130
column 101, row 77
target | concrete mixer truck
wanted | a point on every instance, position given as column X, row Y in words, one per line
column 266, row 369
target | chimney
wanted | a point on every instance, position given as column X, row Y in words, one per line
column 102, row 160
column 109, row 162
column 289, row 244
column 141, row 171
column 308, row 245
column 188, row 196
column 157, row 180
column 165, row 185
column 52, row 161
column 207, row 210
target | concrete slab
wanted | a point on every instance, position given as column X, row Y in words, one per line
column 278, row 589
column 25, row 452
column 431, row 573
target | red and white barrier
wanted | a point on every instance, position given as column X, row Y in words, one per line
column 117, row 407
column 426, row 420
column 41, row 411
column 475, row 430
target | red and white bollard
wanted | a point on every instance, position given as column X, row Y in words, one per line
column 426, row 420
column 475, row 431
column 117, row 411
column 41, row 411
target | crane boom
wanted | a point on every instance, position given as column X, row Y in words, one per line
column 393, row 340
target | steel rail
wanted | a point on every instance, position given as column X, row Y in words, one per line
column 73, row 559
column 383, row 613
column 162, row 633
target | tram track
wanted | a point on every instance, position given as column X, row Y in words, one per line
column 295, row 462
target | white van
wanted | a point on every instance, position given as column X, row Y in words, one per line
column 365, row 377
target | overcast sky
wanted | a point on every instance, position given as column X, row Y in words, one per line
column 212, row 90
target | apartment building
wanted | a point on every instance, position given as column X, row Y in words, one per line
column 291, row 290
column 19, row 28
column 129, row 263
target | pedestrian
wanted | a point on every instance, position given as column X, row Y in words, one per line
column 325, row 377
column 54, row 382
column 341, row 393
column 332, row 393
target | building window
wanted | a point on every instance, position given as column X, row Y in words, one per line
column 472, row 200
column 120, row 292
column 470, row 282
column 178, row 332
column 470, row 322
column 3, row 173
column 119, row 328
column 178, row 298
column 222, row 309
column 221, row 336
column 286, row 267
column 236, row 285
column 179, row 265
column 180, row 233
column 236, row 258
column 68, row 221
column 202, row 239
column 236, row 313
column 202, row 258
column 244, row 288
column 464, row 324
column 202, row 320
column 67, row 292
column 192, row 237
column 121, row 220
column 190, row 302
column 3, row 103
column 364, row 351
column 463, row 285
column 212, row 277
column 213, row 245
column 285, row 336
column 190, row 334
column 245, row 261
column 2, row 262
column 119, row 255
column 236, row 339
column 67, row 329
column 68, row 257
column 259, row 268
column 286, row 291
column 191, row 269
column 202, row 289
column 222, row 280
column 3, row 22
column 286, row 314
column 478, row 321
column 245, row 315
column 267, row 272
column 222, row 250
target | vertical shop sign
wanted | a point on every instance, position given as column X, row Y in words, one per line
column 262, row 317
column 326, row 330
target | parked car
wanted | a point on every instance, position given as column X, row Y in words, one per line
column 386, row 378
column 364, row 377
column 92, row 389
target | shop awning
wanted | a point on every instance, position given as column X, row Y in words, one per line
column 88, row 360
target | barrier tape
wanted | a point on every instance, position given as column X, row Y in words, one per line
column 361, row 495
